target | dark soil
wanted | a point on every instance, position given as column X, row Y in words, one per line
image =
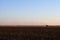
column 29, row 32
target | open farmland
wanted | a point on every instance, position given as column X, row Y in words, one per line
column 29, row 33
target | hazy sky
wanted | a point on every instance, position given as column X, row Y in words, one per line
column 18, row 12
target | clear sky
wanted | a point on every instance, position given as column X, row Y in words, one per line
column 35, row 12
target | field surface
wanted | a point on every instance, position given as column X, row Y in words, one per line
column 29, row 32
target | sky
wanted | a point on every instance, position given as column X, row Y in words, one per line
column 29, row 12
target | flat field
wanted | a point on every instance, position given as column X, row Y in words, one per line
column 29, row 32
